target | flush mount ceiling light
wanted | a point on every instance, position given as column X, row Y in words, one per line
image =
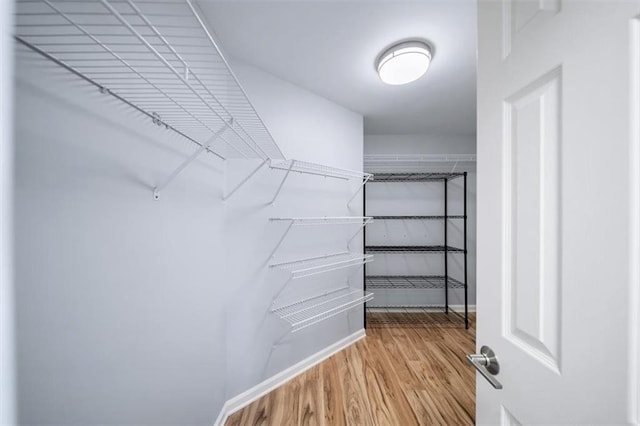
column 404, row 62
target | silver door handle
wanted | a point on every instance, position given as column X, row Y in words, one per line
column 487, row 364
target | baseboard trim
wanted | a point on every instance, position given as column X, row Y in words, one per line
column 460, row 308
column 247, row 397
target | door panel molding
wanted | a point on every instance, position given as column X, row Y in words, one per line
column 634, row 226
column 531, row 246
column 508, row 419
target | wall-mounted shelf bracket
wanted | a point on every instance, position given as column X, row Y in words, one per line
column 284, row 178
column 245, row 180
column 365, row 222
column 367, row 178
column 189, row 160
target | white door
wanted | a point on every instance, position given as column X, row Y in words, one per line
column 558, row 85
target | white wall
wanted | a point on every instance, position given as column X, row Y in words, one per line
column 420, row 144
column 420, row 199
column 307, row 128
column 7, row 384
column 136, row 311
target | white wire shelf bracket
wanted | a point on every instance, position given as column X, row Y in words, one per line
column 158, row 58
column 307, row 312
column 245, row 180
column 362, row 221
column 187, row 161
column 297, row 166
column 320, row 264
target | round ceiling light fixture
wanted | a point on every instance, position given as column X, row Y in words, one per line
column 404, row 62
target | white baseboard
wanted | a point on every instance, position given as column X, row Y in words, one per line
column 460, row 308
column 247, row 397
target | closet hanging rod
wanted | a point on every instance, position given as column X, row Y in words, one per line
column 102, row 89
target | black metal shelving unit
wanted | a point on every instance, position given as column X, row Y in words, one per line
column 445, row 282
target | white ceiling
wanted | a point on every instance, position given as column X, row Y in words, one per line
column 329, row 47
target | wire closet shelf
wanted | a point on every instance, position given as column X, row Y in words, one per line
column 321, row 264
column 413, row 249
column 156, row 56
column 408, row 217
column 306, row 312
column 419, row 162
column 299, row 166
column 416, row 177
column 411, row 282
column 324, row 220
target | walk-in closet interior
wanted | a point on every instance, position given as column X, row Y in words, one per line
column 213, row 197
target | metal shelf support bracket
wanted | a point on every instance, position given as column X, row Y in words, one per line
column 283, row 180
column 245, row 180
column 360, row 228
column 187, row 161
column 364, row 182
column 279, row 243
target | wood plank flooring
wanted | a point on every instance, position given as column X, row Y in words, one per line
column 400, row 375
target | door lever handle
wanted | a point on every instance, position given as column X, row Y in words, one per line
column 487, row 364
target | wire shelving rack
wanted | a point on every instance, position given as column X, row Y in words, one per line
column 157, row 56
column 306, row 312
column 425, row 282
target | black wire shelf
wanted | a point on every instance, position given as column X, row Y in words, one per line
column 433, row 217
column 410, row 282
column 412, row 249
column 415, row 177
column 408, row 309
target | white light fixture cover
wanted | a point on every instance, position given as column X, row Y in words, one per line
column 403, row 63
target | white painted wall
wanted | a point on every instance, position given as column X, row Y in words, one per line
column 135, row 311
column 308, row 128
column 420, row 144
column 420, row 199
column 7, row 383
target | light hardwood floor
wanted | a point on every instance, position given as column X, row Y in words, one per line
column 399, row 375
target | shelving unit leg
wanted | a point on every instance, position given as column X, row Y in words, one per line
column 446, row 248
column 364, row 244
column 466, row 304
